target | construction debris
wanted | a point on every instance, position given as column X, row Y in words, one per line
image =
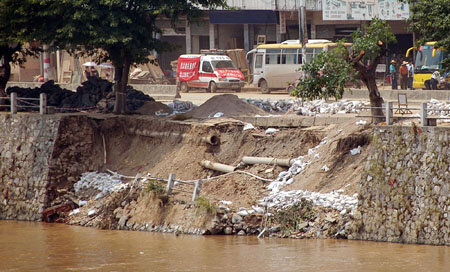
column 149, row 73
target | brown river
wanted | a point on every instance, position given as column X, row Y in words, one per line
column 31, row 246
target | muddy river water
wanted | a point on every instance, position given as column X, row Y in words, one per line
column 31, row 246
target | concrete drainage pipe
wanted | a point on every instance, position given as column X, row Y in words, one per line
column 217, row 166
column 211, row 139
column 267, row 160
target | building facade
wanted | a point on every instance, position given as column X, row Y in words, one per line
column 277, row 20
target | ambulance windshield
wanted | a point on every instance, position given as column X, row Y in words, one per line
column 226, row 64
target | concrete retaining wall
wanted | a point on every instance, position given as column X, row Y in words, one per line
column 405, row 189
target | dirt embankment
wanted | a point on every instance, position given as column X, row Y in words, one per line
column 155, row 148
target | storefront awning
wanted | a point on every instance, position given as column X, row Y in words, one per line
column 243, row 17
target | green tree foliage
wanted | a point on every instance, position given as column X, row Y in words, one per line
column 367, row 40
column 122, row 31
column 326, row 75
column 329, row 71
column 431, row 20
column 12, row 48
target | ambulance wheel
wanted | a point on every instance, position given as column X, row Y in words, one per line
column 212, row 87
column 184, row 87
column 238, row 90
column 264, row 87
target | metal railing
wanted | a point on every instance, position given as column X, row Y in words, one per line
column 388, row 109
column 14, row 105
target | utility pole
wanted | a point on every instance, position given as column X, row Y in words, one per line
column 46, row 50
column 303, row 37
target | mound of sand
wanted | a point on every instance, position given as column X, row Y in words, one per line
column 229, row 104
column 152, row 107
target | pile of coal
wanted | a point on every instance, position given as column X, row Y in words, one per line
column 95, row 94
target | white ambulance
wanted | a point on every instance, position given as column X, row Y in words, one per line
column 208, row 71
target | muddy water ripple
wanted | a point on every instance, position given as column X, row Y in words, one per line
column 30, row 246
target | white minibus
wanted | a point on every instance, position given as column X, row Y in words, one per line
column 275, row 66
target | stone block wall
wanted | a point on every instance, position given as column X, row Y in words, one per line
column 78, row 148
column 40, row 159
column 26, row 147
column 404, row 194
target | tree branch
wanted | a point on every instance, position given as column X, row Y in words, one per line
column 377, row 60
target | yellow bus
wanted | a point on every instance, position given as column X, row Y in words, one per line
column 428, row 60
column 274, row 66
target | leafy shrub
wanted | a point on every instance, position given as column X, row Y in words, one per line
column 206, row 205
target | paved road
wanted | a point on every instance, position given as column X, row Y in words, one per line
column 199, row 98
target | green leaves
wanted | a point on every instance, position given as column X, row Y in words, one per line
column 367, row 39
column 431, row 20
column 326, row 75
column 329, row 72
column 113, row 26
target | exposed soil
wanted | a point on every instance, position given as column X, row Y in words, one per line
column 152, row 108
column 157, row 147
column 228, row 104
column 158, row 157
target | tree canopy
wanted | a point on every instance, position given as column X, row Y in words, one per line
column 328, row 72
column 430, row 19
column 13, row 49
column 326, row 75
column 122, row 31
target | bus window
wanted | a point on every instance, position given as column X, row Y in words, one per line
column 426, row 61
column 299, row 57
column 289, row 56
column 309, row 54
column 312, row 52
column 258, row 61
column 273, row 56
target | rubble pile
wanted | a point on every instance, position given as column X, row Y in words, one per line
column 312, row 108
column 336, row 200
column 436, row 107
column 298, row 165
column 308, row 108
column 181, row 106
column 94, row 94
column 98, row 184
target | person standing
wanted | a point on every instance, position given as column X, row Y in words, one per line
column 393, row 74
column 410, row 80
column 403, row 76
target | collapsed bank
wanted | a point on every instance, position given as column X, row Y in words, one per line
column 403, row 194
